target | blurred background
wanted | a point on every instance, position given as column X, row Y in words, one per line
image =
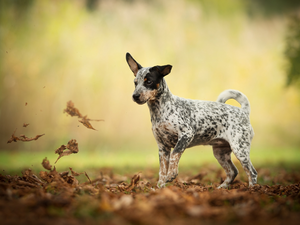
column 55, row 51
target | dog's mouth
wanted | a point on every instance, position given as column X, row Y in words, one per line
column 138, row 101
column 144, row 97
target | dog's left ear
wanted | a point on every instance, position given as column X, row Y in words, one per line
column 163, row 70
column 134, row 66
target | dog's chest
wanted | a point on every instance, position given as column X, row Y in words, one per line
column 165, row 133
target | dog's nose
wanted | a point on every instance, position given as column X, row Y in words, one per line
column 136, row 96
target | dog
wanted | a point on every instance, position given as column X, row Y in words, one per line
column 179, row 123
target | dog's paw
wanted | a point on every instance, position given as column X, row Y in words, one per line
column 161, row 184
column 171, row 176
column 223, row 185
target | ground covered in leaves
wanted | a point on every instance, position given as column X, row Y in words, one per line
column 106, row 197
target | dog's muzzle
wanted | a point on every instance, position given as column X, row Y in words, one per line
column 136, row 98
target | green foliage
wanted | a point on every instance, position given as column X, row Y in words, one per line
column 292, row 51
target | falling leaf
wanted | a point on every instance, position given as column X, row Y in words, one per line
column 46, row 164
column 86, row 123
column 60, row 149
column 25, row 103
column 23, row 138
column 25, row 124
column 65, row 153
column 72, row 111
column 13, row 138
column 72, row 147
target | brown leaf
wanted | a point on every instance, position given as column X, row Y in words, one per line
column 25, row 124
column 74, row 173
column 133, row 183
column 46, row 164
column 65, row 153
column 23, row 138
column 88, row 177
column 86, row 123
column 71, row 110
column 60, row 149
column 13, row 138
column 72, row 147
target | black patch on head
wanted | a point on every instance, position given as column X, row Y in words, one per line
column 153, row 78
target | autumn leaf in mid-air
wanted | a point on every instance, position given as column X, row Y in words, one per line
column 46, row 164
column 72, row 147
column 86, row 122
column 23, row 138
column 72, row 111
column 25, row 124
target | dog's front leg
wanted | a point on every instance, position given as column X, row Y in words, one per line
column 164, row 158
column 181, row 145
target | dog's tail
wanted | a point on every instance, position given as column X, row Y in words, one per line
column 236, row 95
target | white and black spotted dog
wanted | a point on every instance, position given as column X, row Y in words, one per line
column 180, row 123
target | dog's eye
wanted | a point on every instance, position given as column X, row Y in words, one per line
column 148, row 82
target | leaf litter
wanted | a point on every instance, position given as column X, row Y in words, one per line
column 72, row 111
column 134, row 199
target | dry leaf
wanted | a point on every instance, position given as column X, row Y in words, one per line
column 65, row 153
column 88, row 177
column 86, row 123
column 13, row 138
column 72, row 111
column 74, row 173
column 72, row 147
column 25, row 124
column 60, row 149
column 133, row 183
column 46, row 164
column 23, row 138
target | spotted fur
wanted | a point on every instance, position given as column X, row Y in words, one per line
column 179, row 123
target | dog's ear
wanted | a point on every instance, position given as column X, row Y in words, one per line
column 134, row 66
column 163, row 70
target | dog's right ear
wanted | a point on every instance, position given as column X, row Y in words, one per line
column 134, row 66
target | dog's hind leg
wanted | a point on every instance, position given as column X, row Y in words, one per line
column 243, row 155
column 223, row 154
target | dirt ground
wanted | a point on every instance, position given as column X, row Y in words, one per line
column 105, row 197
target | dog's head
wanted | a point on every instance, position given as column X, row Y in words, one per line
column 147, row 80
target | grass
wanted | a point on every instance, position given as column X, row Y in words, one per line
column 124, row 160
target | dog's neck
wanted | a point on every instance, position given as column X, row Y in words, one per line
column 163, row 96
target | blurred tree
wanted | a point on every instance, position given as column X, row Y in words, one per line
column 292, row 51
column 271, row 8
column 92, row 4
